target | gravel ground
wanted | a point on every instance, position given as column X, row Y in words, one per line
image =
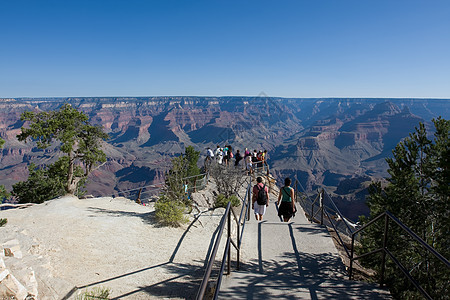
column 76, row 244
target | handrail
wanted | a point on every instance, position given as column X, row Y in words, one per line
column 226, row 219
column 153, row 188
column 323, row 210
column 354, row 232
column 388, row 216
column 202, row 289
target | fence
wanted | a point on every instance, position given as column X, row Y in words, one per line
column 317, row 211
column 144, row 194
column 236, row 243
column 385, row 251
column 323, row 210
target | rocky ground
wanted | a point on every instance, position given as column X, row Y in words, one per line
column 61, row 248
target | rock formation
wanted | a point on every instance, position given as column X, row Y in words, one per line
column 304, row 137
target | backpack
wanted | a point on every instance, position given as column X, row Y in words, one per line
column 261, row 198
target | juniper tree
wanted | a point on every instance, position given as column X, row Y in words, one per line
column 76, row 137
column 173, row 200
column 418, row 194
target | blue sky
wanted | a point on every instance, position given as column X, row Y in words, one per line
column 313, row 48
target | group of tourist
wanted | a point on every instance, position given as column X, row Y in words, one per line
column 285, row 202
column 225, row 155
column 256, row 160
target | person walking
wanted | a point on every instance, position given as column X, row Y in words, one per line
column 287, row 208
column 260, row 199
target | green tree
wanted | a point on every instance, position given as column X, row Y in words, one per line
column 78, row 140
column 39, row 187
column 3, row 192
column 45, row 182
column 174, row 200
column 418, row 194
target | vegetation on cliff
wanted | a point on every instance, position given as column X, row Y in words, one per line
column 418, row 194
column 78, row 140
column 175, row 200
column 3, row 192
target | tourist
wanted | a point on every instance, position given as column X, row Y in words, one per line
column 248, row 164
column 209, row 156
column 238, row 158
column 264, row 158
column 226, row 156
column 260, row 199
column 220, row 156
column 259, row 159
column 216, row 152
column 287, row 208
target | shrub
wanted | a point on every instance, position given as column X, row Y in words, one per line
column 42, row 185
column 3, row 193
column 228, row 179
column 3, row 222
column 95, row 293
column 169, row 212
column 222, row 201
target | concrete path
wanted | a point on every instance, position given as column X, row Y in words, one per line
column 294, row 260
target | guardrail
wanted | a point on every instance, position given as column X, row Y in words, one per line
column 384, row 250
column 198, row 182
column 236, row 243
column 328, row 217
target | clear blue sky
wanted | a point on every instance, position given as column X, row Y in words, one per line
column 299, row 48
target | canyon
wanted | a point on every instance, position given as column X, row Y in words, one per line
column 324, row 142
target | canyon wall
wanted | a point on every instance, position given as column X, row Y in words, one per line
column 318, row 140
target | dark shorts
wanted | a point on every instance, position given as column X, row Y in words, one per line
column 285, row 210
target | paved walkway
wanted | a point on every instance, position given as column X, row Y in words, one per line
column 294, row 260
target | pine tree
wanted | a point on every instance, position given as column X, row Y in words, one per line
column 77, row 138
column 418, row 194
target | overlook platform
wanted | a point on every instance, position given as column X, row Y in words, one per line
column 293, row 260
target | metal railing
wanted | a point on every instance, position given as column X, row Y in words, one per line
column 236, row 243
column 384, row 250
column 144, row 193
column 329, row 216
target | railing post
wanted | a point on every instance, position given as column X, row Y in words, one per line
column 238, row 263
column 229, row 239
column 351, row 258
column 383, row 254
column 249, row 201
column 321, row 207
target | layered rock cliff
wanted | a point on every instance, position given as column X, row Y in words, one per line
column 310, row 138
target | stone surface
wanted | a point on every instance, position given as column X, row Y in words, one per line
column 13, row 287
